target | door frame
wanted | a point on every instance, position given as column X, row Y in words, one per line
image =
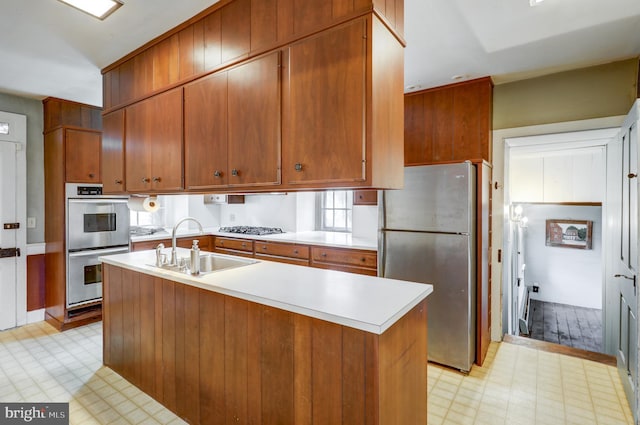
column 18, row 137
column 499, row 317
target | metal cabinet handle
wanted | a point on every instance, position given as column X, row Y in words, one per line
column 324, row 254
column 632, row 175
column 118, row 181
column 157, row 179
column 145, row 180
column 264, row 247
column 298, row 167
column 244, row 245
column 217, row 174
column 91, row 175
column 363, row 259
column 625, row 276
column 295, row 251
column 234, row 172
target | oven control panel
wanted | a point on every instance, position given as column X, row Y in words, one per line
column 89, row 190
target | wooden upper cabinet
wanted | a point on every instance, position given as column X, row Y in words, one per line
column 153, row 134
column 112, row 155
column 254, row 122
column 210, row 27
column 205, row 132
column 235, row 31
column 165, row 57
column 264, row 24
column 326, row 107
column 393, row 13
column 232, row 126
column 450, row 123
column 82, row 156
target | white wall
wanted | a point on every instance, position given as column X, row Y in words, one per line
column 564, row 275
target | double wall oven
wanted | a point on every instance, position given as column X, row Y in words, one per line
column 96, row 225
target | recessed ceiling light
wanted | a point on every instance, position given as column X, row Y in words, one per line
column 97, row 8
column 458, row 77
column 413, row 87
column 535, row 2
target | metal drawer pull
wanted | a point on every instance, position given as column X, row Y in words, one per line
column 217, row 174
column 156, row 179
column 235, row 172
column 118, row 181
column 298, row 167
column 632, row 175
column 145, row 180
column 91, row 175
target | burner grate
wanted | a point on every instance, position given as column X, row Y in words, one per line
column 252, row 230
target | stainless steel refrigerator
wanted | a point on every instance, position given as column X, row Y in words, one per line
column 427, row 234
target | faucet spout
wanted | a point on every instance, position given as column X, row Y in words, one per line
column 174, row 258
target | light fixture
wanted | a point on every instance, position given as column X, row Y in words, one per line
column 517, row 217
column 535, row 2
column 97, row 8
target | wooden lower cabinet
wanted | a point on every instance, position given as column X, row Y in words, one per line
column 205, row 242
column 217, row 359
column 282, row 252
column 345, row 259
column 234, row 246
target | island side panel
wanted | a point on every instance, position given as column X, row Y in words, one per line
column 232, row 359
column 211, row 347
column 403, row 369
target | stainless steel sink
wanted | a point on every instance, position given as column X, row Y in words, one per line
column 212, row 262
column 209, row 263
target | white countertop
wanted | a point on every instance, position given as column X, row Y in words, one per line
column 335, row 239
column 371, row 304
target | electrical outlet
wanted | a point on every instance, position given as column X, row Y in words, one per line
column 536, row 288
column 232, row 217
column 31, row 222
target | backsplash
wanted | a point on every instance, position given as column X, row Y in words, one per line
column 293, row 212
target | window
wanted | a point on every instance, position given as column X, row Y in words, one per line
column 334, row 210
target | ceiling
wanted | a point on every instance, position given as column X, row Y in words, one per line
column 50, row 49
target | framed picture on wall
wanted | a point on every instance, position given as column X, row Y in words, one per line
column 569, row 233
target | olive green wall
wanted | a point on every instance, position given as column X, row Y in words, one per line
column 32, row 108
column 594, row 92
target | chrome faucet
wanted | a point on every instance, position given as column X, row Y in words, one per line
column 174, row 258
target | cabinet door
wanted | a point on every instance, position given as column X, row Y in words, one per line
column 365, row 197
column 205, row 132
column 154, row 143
column 326, row 109
column 112, row 155
column 82, row 156
column 254, row 122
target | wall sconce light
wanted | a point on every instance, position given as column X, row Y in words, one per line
column 517, row 217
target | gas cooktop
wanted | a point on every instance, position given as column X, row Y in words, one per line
column 252, row 230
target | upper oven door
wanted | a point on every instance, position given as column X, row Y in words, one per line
column 97, row 223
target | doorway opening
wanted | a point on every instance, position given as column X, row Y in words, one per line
column 554, row 237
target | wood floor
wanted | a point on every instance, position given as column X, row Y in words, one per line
column 571, row 326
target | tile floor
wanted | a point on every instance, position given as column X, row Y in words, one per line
column 39, row 364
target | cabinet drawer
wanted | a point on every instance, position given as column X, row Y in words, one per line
column 349, row 257
column 282, row 250
column 204, row 242
column 234, row 244
column 144, row 245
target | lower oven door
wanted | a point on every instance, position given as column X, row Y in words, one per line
column 84, row 275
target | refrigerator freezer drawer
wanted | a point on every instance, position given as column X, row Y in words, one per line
column 447, row 262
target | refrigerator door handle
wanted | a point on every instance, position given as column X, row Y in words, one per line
column 381, row 253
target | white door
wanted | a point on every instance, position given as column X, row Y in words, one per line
column 12, row 221
column 622, row 283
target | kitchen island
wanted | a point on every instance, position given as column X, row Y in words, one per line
column 268, row 343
